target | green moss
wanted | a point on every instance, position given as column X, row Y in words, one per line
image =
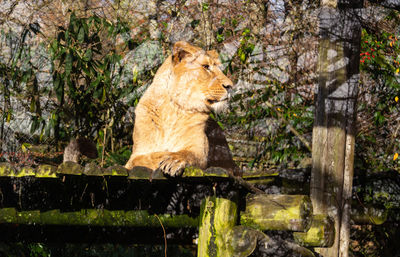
column 216, row 172
column 143, row 218
column 70, row 168
column 25, row 172
column 248, row 221
column 217, row 218
column 178, row 221
column 29, row 217
column 193, row 172
column 46, row 171
column 242, row 240
column 92, row 169
column 140, row 173
column 255, row 181
column 157, row 175
column 116, row 170
column 52, row 217
column 8, row 215
column 313, row 237
column 116, row 218
column 277, row 212
column 320, row 234
column 6, row 169
column 259, row 175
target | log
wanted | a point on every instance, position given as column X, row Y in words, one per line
column 46, row 171
column 116, row 170
column 297, row 250
column 96, row 217
column 369, row 215
column 320, row 234
column 143, row 173
column 6, row 169
column 277, row 212
column 92, row 169
column 70, row 168
column 243, row 240
column 26, row 172
column 246, row 241
column 217, row 217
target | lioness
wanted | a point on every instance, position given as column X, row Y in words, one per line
column 172, row 125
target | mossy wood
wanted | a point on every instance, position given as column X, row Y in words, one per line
column 217, row 218
column 368, row 215
column 321, row 233
column 277, row 212
column 96, row 217
column 246, row 241
column 71, row 187
column 38, row 201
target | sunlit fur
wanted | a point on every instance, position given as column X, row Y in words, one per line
column 170, row 118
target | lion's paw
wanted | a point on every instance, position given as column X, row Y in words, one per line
column 173, row 165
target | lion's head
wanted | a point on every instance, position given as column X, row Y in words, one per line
column 198, row 83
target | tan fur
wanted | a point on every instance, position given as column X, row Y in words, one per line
column 171, row 117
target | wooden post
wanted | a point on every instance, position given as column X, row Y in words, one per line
column 334, row 127
column 217, row 218
column 277, row 212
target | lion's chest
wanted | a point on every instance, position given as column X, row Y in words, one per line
column 175, row 130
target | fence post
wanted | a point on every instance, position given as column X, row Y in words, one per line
column 217, row 217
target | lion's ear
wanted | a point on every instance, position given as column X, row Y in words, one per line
column 182, row 50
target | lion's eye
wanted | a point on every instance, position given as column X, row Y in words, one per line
column 206, row 66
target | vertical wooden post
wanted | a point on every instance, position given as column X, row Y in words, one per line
column 334, row 127
column 217, row 217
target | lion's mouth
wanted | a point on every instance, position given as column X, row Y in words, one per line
column 212, row 101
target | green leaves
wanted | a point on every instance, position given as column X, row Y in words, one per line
column 205, row 7
column 68, row 64
column 380, row 63
column 84, row 80
column 88, row 55
column 81, row 35
column 59, row 88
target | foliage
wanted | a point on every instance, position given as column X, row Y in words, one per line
column 380, row 64
column 265, row 115
column 374, row 240
column 267, row 110
column 16, row 74
column 86, row 77
column 120, row 156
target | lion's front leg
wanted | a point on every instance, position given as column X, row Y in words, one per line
column 170, row 163
column 174, row 163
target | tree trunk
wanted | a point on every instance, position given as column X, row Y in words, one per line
column 334, row 128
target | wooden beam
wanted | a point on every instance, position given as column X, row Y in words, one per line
column 218, row 216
